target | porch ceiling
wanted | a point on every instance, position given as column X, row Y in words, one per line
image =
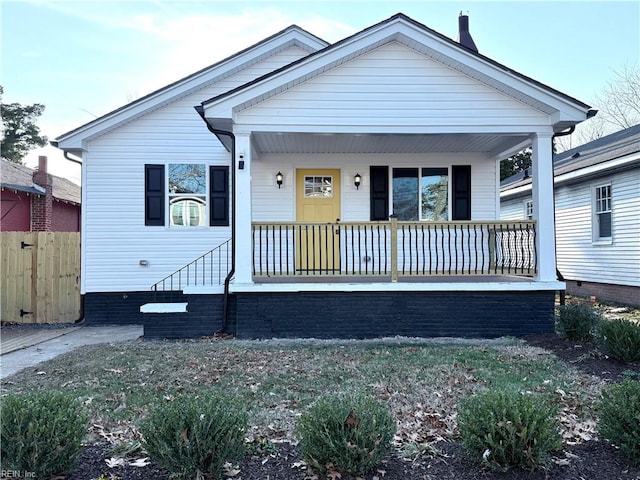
column 384, row 143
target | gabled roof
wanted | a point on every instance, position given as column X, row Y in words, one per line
column 290, row 36
column 610, row 147
column 20, row 178
column 419, row 37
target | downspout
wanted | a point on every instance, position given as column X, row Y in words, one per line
column 232, row 271
column 79, row 162
column 559, row 275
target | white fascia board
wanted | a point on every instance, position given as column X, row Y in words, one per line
column 576, row 174
column 409, row 34
column 76, row 139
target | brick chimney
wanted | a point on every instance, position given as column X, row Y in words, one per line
column 42, row 205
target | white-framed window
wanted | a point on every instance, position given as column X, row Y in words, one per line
column 421, row 194
column 602, row 210
column 528, row 210
column 187, row 191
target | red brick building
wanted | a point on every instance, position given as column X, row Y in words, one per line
column 35, row 200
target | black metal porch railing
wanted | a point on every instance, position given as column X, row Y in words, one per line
column 208, row 269
column 394, row 248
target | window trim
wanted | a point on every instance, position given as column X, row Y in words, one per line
column 596, row 239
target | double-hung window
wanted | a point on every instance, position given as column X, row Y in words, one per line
column 421, row 194
column 602, row 213
column 528, row 210
column 186, row 195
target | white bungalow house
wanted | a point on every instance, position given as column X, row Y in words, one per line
column 316, row 190
column 597, row 200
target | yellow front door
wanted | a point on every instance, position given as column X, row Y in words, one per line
column 318, row 206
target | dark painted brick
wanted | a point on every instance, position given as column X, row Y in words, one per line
column 376, row 314
column 203, row 316
column 333, row 314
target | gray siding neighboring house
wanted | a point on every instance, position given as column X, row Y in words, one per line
column 597, row 201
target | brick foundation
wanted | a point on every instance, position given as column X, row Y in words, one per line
column 605, row 292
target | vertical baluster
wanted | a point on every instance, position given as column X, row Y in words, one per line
column 404, row 248
column 430, row 250
column 416, row 229
column 353, row 250
column 373, row 251
column 504, row 248
column 299, row 250
column 286, row 237
column 424, row 257
column 449, row 243
column 535, row 251
column 468, row 248
column 436, row 253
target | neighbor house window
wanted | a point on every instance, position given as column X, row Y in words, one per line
column 187, row 194
column 421, row 194
column 528, row 210
column 602, row 213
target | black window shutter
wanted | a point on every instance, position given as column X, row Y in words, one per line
column 219, row 196
column 379, row 193
column 154, row 193
column 461, row 192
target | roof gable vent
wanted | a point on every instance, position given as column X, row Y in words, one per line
column 464, row 36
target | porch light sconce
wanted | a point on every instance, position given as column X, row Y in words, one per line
column 356, row 181
column 279, row 178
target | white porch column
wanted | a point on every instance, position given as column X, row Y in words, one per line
column 243, row 209
column 543, row 206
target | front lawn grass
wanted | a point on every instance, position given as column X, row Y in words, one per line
column 421, row 380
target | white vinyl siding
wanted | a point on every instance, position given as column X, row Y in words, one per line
column 392, row 85
column 115, row 238
column 271, row 204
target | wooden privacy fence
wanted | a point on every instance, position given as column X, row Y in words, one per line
column 40, row 277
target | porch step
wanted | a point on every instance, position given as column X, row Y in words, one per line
column 176, row 307
column 204, row 290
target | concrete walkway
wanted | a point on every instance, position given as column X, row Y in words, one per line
column 56, row 342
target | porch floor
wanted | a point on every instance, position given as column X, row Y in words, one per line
column 364, row 279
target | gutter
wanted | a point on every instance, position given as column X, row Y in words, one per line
column 227, row 280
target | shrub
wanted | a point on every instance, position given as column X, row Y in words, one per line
column 346, row 433
column 41, row 433
column 620, row 338
column 195, row 435
column 508, row 430
column 577, row 321
column 620, row 417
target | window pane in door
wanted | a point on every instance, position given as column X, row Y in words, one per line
column 435, row 194
column 405, row 193
column 318, row 186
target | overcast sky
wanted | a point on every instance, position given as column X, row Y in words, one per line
column 83, row 59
